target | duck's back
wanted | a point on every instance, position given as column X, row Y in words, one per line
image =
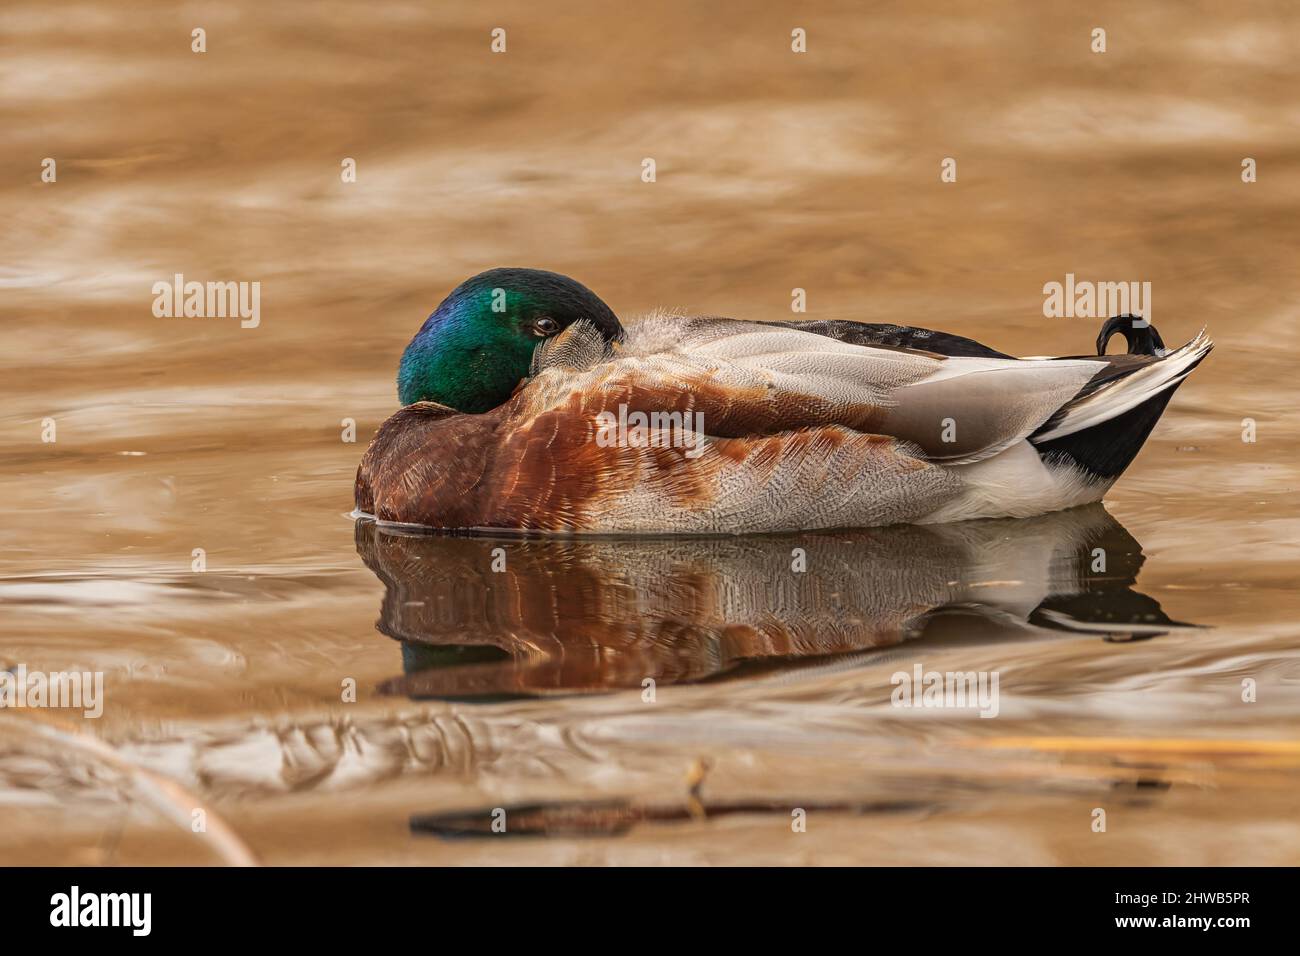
column 702, row 425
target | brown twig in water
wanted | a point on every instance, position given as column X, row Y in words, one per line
column 695, row 781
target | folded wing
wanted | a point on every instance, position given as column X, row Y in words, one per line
column 749, row 378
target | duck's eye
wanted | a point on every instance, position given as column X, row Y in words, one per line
column 545, row 325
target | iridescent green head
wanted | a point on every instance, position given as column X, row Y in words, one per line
column 477, row 346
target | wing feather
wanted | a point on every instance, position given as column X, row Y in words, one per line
column 752, row 379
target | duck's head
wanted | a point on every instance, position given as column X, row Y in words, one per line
column 477, row 346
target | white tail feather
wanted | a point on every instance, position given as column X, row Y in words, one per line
column 1128, row 392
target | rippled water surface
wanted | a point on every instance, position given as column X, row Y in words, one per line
column 1120, row 686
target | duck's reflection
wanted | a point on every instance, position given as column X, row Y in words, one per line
column 490, row 617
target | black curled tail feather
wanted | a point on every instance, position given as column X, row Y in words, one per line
column 1141, row 336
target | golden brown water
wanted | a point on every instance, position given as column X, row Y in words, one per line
column 478, row 689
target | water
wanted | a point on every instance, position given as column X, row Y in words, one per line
column 1119, row 688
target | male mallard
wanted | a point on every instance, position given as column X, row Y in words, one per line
column 528, row 405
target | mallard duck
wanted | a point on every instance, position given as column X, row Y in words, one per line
column 528, row 405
